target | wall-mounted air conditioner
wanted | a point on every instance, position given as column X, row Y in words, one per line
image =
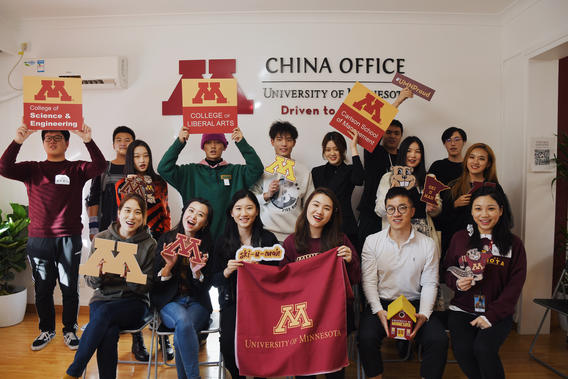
column 96, row 72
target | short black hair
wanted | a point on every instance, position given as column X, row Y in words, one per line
column 282, row 128
column 66, row 134
column 123, row 129
column 451, row 130
column 398, row 191
column 397, row 123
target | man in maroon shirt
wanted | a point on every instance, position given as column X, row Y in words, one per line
column 54, row 246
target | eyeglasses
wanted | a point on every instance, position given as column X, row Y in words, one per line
column 455, row 140
column 57, row 138
column 402, row 209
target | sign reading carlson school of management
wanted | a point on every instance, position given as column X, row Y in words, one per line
column 209, row 105
column 53, row 103
column 366, row 113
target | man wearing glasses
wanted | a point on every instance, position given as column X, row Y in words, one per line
column 400, row 261
column 450, row 168
column 54, row 246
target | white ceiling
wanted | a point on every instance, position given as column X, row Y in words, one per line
column 16, row 10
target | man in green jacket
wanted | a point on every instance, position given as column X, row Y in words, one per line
column 213, row 178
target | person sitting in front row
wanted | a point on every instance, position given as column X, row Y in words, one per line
column 400, row 261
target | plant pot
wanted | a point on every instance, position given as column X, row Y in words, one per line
column 13, row 307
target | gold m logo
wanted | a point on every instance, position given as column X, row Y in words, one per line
column 52, row 88
column 282, row 166
column 114, row 265
column 289, row 319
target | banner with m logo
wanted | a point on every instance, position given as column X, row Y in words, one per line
column 292, row 319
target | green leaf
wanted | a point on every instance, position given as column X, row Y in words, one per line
column 19, row 210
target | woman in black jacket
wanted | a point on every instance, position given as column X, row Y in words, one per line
column 243, row 227
column 181, row 290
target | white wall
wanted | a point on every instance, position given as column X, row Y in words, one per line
column 530, row 89
column 467, row 59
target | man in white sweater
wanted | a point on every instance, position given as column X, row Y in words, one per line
column 401, row 261
column 281, row 201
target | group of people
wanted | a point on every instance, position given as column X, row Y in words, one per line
column 399, row 246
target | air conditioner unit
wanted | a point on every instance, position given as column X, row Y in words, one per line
column 96, row 72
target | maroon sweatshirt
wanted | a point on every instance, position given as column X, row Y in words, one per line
column 292, row 255
column 54, row 189
column 502, row 282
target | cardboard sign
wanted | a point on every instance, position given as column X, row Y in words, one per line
column 114, row 264
column 209, row 105
column 477, row 185
column 53, row 103
column 186, row 247
column 417, row 88
column 472, row 264
column 402, row 177
column 141, row 185
column 432, row 187
column 402, row 316
column 257, row 254
column 366, row 113
column 282, row 166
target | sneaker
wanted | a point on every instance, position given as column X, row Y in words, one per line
column 71, row 340
column 42, row 340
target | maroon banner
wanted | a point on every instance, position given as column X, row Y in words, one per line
column 417, row 88
column 292, row 320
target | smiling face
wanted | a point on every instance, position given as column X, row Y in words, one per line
column 486, row 213
column 413, row 155
column 455, row 145
column 195, row 218
column 332, row 154
column 213, row 149
column 477, row 161
column 121, row 142
column 130, row 217
column 402, row 212
column 283, row 145
column 55, row 146
column 319, row 212
column 141, row 159
column 244, row 212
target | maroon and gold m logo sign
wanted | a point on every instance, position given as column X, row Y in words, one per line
column 293, row 316
column 370, row 105
column 209, row 91
column 53, row 89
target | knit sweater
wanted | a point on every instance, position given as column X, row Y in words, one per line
column 502, row 282
column 54, row 189
column 217, row 184
column 112, row 286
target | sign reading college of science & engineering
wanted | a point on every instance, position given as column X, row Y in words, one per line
column 53, row 103
column 209, row 105
column 366, row 113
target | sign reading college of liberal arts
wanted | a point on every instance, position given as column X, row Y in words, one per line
column 432, row 187
column 295, row 319
column 283, row 167
column 209, row 105
column 114, row 264
column 366, row 113
column 417, row 88
column 53, row 103
column 257, row 254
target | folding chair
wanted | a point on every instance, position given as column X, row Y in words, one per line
column 214, row 327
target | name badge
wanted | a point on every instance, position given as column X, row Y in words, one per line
column 62, row 179
column 226, row 179
column 479, row 303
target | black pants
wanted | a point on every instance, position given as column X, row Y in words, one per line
column 227, row 339
column 55, row 259
column 369, row 223
column 432, row 336
column 477, row 350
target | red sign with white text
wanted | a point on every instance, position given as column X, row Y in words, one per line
column 366, row 113
column 53, row 103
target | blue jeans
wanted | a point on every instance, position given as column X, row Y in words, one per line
column 106, row 320
column 187, row 317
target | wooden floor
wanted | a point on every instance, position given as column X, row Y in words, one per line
column 18, row 361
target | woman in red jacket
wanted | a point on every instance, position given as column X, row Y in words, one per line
column 486, row 267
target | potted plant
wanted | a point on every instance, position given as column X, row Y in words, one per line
column 13, row 239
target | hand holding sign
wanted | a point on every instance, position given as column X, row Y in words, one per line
column 23, row 133
column 84, row 133
column 432, row 187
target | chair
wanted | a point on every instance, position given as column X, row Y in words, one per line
column 558, row 305
column 214, row 327
column 148, row 319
